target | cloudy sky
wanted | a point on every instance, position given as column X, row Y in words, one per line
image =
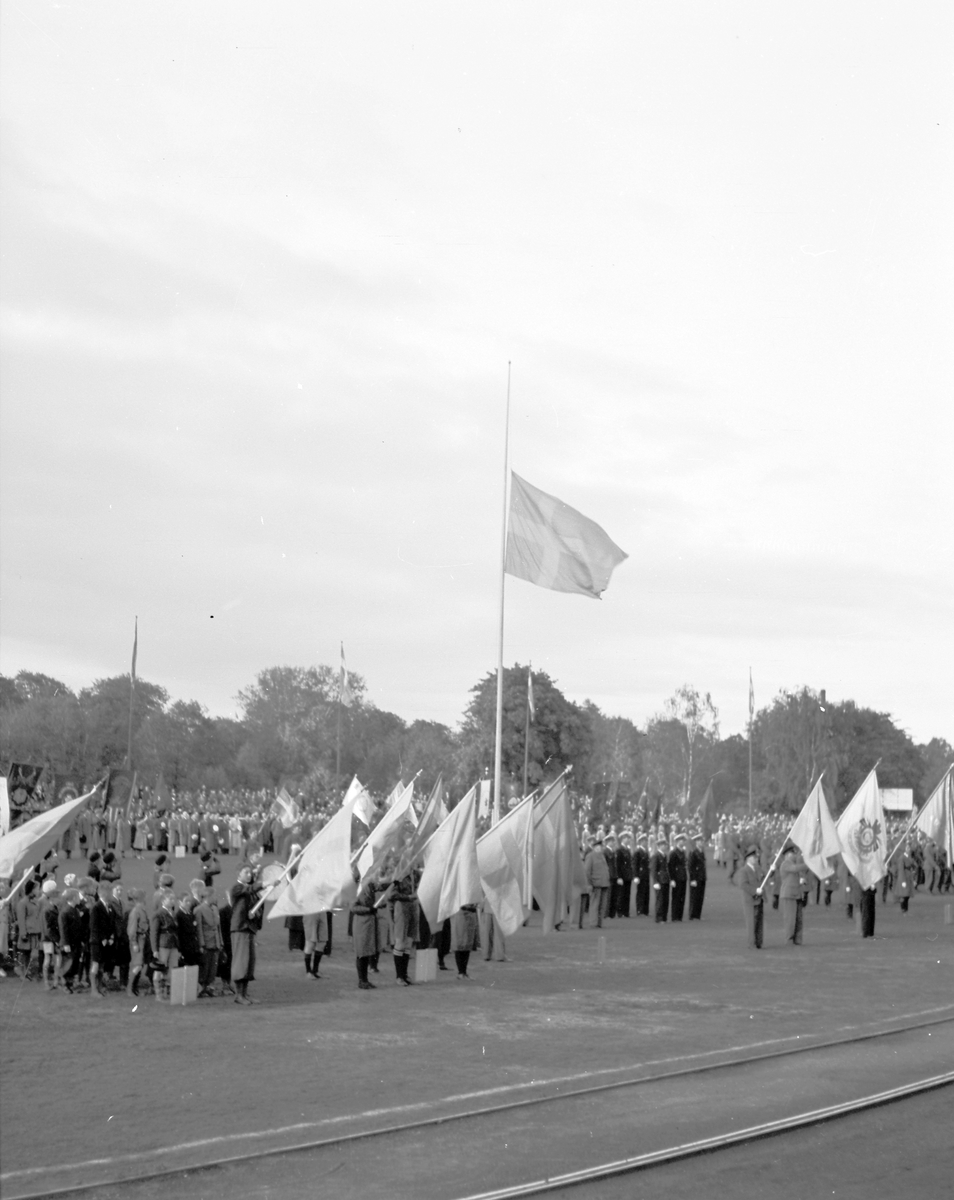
column 264, row 268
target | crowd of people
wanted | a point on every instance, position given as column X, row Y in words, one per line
column 91, row 933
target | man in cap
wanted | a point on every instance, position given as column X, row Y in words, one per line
column 245, row 926
column 792, row 873
column 659, row 872
column 697, row 876
column 678, row 877
column 598, row 877
column 623, row 883
column 641, row 875
column 753, row 907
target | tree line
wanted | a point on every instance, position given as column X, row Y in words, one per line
column 288, row 733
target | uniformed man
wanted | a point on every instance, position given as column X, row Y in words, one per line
column 697, row 877
column 641, row 875
column 753, row 907
column 678, row 877
column 659, row 873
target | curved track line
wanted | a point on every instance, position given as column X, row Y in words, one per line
column 656, row 1158
column 805, row 1046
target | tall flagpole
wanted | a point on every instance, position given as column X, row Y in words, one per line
column 751, row 711
column 503, row 559
column 132, row 694
column 526, row 733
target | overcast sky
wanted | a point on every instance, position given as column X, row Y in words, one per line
column 263, row 270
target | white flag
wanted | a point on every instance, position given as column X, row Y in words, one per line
column 814, row 833
column 324, row 879
column 504, row 856
column 26, row 845
column 558, row 874
column 484, row 807
column 862, row 834
column 358, row 795
column 451, row 875
column 554, row 546
column 388, row 834
column 936, row 818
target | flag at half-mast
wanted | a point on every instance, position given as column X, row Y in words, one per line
column 936, row 818
column 554, row 546
column 345, row 694
column 861, row 831
column 814, row 833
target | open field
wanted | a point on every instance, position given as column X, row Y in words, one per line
column 86, row 1079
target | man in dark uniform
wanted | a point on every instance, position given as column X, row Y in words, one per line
column 641, row 875
column 659, row 869
column 753, row 905
column 697, row 877
column 678, row 876
column 623, row 879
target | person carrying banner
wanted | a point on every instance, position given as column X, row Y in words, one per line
column 753, row 906
column 791, row 872
column 245, row 895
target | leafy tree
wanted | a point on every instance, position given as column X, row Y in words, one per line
column 31, row 685
column 289, row 714
column 936, row 756
column 560, row 735
column 865, row 736
column 9, row 695
column 105, row 708
column 613, row 773
column 428, row 747
column 796, row 741
column 680, row 741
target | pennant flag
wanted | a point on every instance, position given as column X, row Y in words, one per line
column 388, row 834
column 345, row 694
column 554, row 546
column 751, row 696
column 359, row 798
column 862, row 833
column 324, row 880
column 505, row 861
column 163, row 798
column 484, row 809
column 24, row 847
column 132, row 804
column 936, row 818
column 558, row 874
column 451, row 875
column 285, row 809
column 530, row 705
column 132, row 673
column 814, row 833
column 706, row 817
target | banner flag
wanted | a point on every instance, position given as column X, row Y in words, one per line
column 285, row 809
column 936, row 818
column 862, row 833
column 388, row 834
column 814, row 833
column 706, row 814
column 530, row 704
column 22, row 797
column 558, row 875
column 323, row 880
column 26, row 846
column 554, row 546
column 505, row 860
column 360, row 798
column 451, row 875
column 484, row 806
